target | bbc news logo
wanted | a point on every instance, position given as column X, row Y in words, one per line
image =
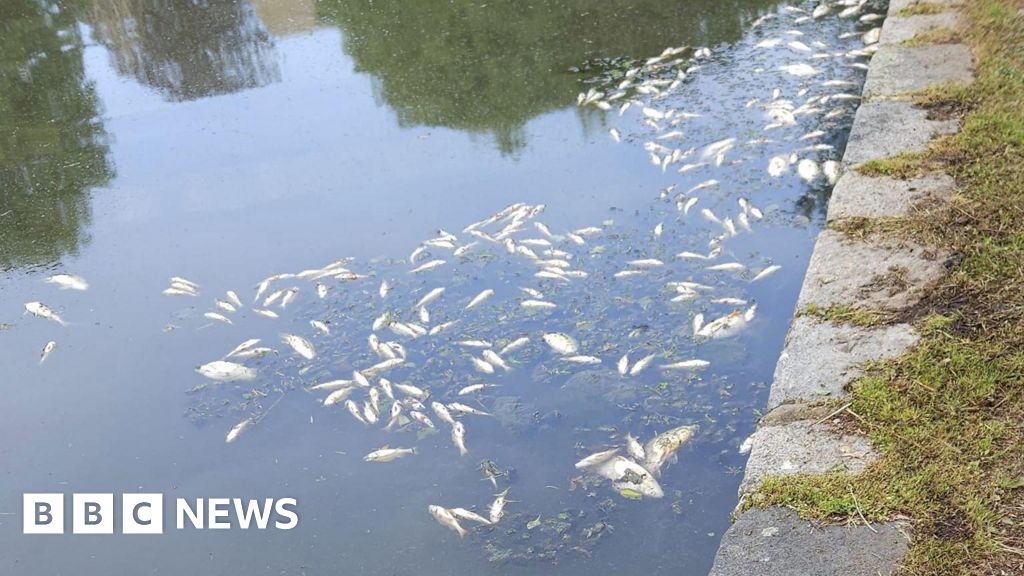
column 144, row 513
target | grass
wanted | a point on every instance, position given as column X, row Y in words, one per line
column 845, row 314
column 933, row 36
column 902, row 166
column 948, row 417
column 921, row 9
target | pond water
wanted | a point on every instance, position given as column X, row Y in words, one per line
column 226, row 142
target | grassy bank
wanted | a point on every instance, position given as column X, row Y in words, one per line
column 948, row 417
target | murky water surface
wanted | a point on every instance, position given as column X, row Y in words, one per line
column 228, row 141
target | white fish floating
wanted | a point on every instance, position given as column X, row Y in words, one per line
column 800, row 70
column 265, row 313
column 300, row 345
column 224, row 371
column 43, row 311
column 561, row 343
column 216, row 316
column 514, row 345
column 808, row 169
column 626, row 474
column 68, row 282
column 695, row 364
column 244, row 346
column 729, row 324
column 237, row 430
column 663, row 446
column 320, row 326
column 445, row 518
column 47, row 350
column 538, row 304
column 464, row 514
column 459, row 437
column 429, row 297
column 388, row 454
column 642, row 364
column 427, row 266
column 768, row 271
column 497, row 508
column 484, row 295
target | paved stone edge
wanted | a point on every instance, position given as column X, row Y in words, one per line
column 820, row 358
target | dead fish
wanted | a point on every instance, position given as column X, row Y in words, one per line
column 541, row 304
column 224, row 371
column 218, row 317
column 388, row 454
column 624, row 473
column 446, row 519
column 442, row 327
column 338, row 395
column 410, row 390
column 514, row 345
column 68, row 282
column 686, row 365
column 300, row 345
column 248, row 344
column 43, row 311
column 265, row 313
column 232, row 297
column 596, row 459
column 442, row 412
column 484, row 295
column 642, row 364
column 778, row 166
column 254, row 353
column 582, row 359
column 46, row 351
column 320, row 326
column 561, row 343
column 175, row 291
column 623, row 365
column 225, row 306
column 831, row 170
column 464, row 409
column 464, row 514
column 474, row 343
column 497, row 508
column 729, row 324
column 660, row 448
column 429, row 297
column 289, row 297
column 698, row 323
column 808, row 169
column 634, row 448
column 369, row 413
column 421, row 418
column 427, row 266
column 495, row 360
column 482, row 366
column 615, row 135
column 646, row 263
column 459, row 437
column 627, row 273
column 710, row 216
column 727, row 267
column 766, row 272
column 472, row 388
column 237, row 430
column 799, row 69
column 354, row 410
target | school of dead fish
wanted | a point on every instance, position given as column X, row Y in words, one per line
column 556, row 259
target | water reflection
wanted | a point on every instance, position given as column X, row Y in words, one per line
column 489, row 67
column 53, row 146
column 186, row 49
